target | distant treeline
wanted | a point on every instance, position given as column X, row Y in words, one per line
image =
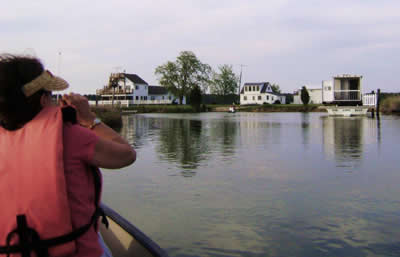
column 383, row 96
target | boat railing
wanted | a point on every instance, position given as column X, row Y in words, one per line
column 154, row 249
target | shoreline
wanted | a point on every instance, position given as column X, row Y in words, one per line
column 221, row 108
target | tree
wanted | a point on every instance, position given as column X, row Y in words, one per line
column 275, row 88
column 225, row 82
column 305, row 97
column 181, row 76
column 195, row 98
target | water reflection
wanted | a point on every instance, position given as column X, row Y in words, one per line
column 344, row 138
column 135, row 129
column 305, row 125
column 187, row 141
column 182, row 141
column 260, row 182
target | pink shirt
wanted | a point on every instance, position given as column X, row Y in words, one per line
column 79, row 144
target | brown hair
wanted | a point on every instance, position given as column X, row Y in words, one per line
column 15, row 108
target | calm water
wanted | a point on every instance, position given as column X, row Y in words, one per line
column 262, row 184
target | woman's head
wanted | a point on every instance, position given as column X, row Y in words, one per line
column 24, row 87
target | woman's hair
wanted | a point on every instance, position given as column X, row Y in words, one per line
column 15, row 108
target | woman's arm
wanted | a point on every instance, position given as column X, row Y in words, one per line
column 111, row 151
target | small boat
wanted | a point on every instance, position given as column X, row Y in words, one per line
column 232, row 109
column 125, row 240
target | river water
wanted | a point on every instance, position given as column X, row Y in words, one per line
column 262, row 184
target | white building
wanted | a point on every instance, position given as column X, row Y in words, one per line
column 129, row 89
column 343, row 89
column 314, row 93
column 260, row 93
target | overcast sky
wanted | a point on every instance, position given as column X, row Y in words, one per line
column 288, row 42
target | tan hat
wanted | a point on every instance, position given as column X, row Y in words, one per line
column 46, row 81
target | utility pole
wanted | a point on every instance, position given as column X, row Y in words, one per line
column 240, row 79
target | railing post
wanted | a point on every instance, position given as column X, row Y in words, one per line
column 378, row 100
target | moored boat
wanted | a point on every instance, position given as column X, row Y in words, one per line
column 346, row 111
column 124, row 239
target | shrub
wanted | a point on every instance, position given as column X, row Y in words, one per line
column 305, row 97
column 390, row 104
column 110, row 116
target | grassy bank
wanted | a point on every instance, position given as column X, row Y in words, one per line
column 223, row 107
column 282, row 108
column 160, row 108
column 390, row 104
column 110, row 116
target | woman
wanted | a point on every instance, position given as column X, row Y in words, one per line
column 47, row 179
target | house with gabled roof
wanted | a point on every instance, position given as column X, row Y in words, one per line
column 129, row 89
column 260, row 93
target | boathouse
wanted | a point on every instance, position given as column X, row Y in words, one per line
column 126, row 89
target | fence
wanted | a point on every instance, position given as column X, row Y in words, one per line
column 370, row 99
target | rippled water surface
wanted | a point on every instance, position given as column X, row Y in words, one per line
column 262, row 184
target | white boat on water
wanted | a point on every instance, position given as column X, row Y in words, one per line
column 346, row 111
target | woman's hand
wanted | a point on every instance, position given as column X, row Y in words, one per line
column 80, row 103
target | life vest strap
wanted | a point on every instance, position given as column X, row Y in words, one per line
column 29, row 239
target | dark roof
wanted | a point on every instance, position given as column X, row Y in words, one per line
column 264, row 88
column 263, row 84
column 135, row 78
column 255, row 83
column 157, row 90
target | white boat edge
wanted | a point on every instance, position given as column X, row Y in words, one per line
column 346, row 111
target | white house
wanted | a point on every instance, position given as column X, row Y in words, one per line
column 129, row 89
column 260, row 93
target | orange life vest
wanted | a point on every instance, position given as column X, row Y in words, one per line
column 35, row 214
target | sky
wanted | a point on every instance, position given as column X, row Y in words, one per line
column 288, row 42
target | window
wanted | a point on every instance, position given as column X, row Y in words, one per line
column 267, row 97
column 141, row 97
column 145, row 97
column 137, row 87
column 169, row 97
column 153, row 98
column 258, row 89
column 245, row 98
column 137, row 97
column 254, row 98
column 259, row 97
column 162, row 97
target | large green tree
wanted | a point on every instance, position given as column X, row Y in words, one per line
column 305, row 97
column 275, row 88
column 181, row 76
column 225, row 82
